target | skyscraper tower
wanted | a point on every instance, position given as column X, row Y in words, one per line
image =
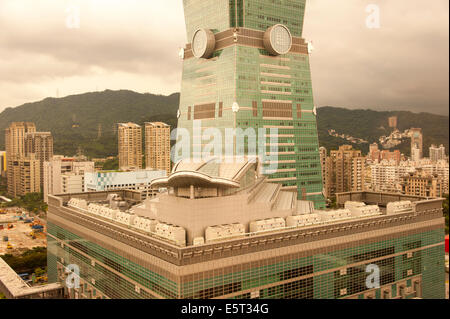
column 247, row 66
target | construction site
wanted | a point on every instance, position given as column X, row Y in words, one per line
column 20, row 232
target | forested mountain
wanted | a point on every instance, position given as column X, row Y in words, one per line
column 88, row 121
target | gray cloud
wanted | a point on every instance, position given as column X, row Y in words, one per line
column 133, row 45
column 403, row 65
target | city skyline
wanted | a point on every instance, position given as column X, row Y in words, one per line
column 405, row 76
column 252, row 191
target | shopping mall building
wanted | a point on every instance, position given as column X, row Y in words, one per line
column 221, row 230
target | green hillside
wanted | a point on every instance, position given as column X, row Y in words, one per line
column 75, row 121
column 370, row 125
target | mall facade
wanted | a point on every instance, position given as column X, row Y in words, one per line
column 224, row 231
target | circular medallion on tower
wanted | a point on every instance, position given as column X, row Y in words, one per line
column 203, row 43
column 278, row 39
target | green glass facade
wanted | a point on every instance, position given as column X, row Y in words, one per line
column 271, row 91
column 292, row 277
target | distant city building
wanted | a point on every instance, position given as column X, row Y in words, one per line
column 26, row 173
column 15, row 151
column 440, row 169
column 130, row 146
column 224, row 231
column 437, row 153
column 323, row 162
column 3, row 165
column 395, row 156
column 358, row 174
column 157, row 146
column 40, row 144
column 422, row 184
column 375, row 155
column 64, row 175
column 345, row 169
column 416, row 144
column 134, row 180
column 415, row 154
column 393, row 121
column 386, row 176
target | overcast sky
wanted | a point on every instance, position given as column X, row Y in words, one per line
column 133, row 44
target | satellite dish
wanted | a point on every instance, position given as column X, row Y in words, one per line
column 315, row 110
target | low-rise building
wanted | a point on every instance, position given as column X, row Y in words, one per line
column 422, row 184
column 115, row 180
column 64, row 175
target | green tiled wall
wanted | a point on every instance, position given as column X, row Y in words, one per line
column 428, row 262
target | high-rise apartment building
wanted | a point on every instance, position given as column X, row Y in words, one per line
column 65, row 175
column 223, row 231
column 15, row 137
column 387, row 176
column 157, row 146
column 345, row 170
column 247, row 67
column 26, row 173
column 358, row 174
column 130, row 146
column 395, row 156
column 437, row 153
column 3, row 164
column 40, row 144
column 374, row 152
column 416, row 144
column 375, row 155
column 15, row 150
column 323, row 163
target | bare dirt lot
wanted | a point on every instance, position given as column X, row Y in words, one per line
column 19, row 236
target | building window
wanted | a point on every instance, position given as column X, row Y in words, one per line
column 204, row 111
column 220, row 109
column 255, row 108
column 299, row 111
